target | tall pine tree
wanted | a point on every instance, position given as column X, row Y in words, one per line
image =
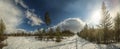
column 106, row 23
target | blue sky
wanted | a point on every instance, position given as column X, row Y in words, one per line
column 29, row 14
column 59, row 10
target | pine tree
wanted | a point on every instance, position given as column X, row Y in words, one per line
column 51, row 33
column 2, row 27
column 85, row 31
column 2, row 38
column 58, row 35
column 106, row 23
column 117, row 26
column 47, row 19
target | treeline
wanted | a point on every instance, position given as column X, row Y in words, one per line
column 107, row 32
column 97, row 35
column 43, row 32
column 50, row 34
column 54, row 35
column 54, row 32
column 19, row 34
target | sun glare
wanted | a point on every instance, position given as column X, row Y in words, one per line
column 95, row 17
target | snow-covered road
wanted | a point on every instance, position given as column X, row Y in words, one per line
column 69, row 43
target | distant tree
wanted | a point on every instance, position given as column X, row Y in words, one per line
column 39, row 31
column 91, row 32
column 85, row 31
column 67, row 33
column 105, row 23
column 47, row 19
column 43, row 31
column 51, row 33
column 2, row 27
column 99, row 35
column 58, row 34
column 2, row 37
column 117, row 26
column 58, row 30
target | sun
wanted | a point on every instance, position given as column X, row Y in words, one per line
column 95, row 17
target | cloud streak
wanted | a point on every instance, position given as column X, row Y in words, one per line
column 21, row 3
column 29, row 13
column 34, row 20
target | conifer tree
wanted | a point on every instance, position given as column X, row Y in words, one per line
column 2, row 37
column 2, row 27
column 117, row 26
column 105, row 23
column 47, row 19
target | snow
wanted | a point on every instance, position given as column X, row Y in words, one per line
column 68, row 43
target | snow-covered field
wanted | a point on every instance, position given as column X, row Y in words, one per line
column 69, row 43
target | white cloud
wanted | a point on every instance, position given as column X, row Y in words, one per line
column 11, row 15
column 72, row 24
column 21, row 3
column 34, row 20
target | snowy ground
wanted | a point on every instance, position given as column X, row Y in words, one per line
column 69, row 43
